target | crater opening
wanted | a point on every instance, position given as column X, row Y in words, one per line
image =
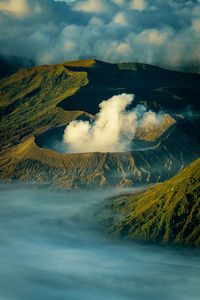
column 53, row 138
column 115, row 128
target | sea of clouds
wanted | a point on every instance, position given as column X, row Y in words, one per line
column 164, row 33
column 51, row 247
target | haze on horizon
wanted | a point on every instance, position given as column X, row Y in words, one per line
column 164, row 33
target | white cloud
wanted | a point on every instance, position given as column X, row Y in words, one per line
column 123, row 49
column 46, row 59
column 69, row 46
column 120, row 19
column 196, row 25
column 118, row 2
column 138, row 4
column 97, row 6
column 18, row 8
column 157, row 38
column 154, row 36
column 96, row 21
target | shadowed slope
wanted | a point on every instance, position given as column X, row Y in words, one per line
column 154, row 87
column 168, row 212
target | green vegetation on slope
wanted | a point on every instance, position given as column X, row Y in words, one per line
column 29, row 98
column 168, row 212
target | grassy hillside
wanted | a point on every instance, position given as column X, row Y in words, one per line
column 29, row 98
column 168, row 212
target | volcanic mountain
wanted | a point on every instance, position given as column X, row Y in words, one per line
column 37, row 103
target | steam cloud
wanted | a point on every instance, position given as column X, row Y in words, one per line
column 112, row 129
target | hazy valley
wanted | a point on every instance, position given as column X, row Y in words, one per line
column 52, row 246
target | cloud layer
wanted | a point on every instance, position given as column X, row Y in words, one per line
column 165, row 33
column 113, row 128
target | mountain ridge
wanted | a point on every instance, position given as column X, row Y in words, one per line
column 167, row 212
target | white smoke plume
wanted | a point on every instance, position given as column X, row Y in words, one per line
column 112, row 129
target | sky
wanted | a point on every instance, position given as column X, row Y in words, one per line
column 160, row 32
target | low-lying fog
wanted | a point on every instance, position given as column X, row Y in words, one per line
column 51, row 248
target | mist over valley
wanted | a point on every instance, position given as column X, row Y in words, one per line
column 52, row 246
